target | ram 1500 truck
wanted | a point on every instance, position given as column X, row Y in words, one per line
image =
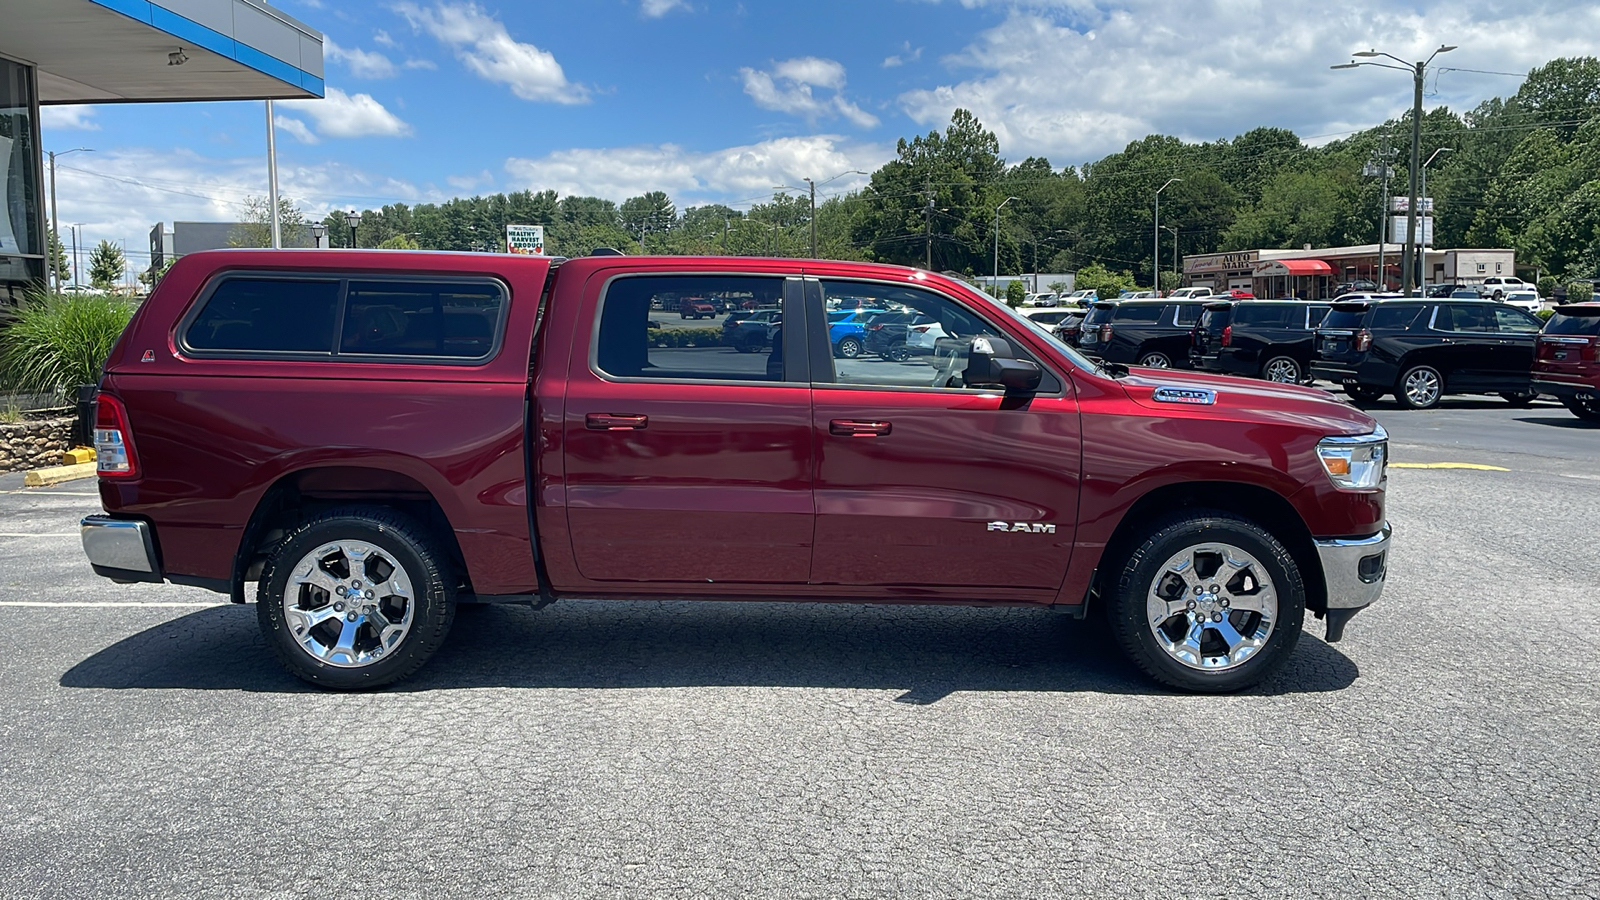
column 371, row 438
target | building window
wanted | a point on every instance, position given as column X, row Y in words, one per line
column 1481, row 268
column 21, row 233
column 1497, row 268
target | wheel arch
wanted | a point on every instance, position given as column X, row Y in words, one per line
column 301, row 494
column 1260, row 505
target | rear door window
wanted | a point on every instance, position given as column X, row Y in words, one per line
column 1138, row 313
column 1188, row 313
column 1263, row 316
column 631, row 343
column 1515, row 321
column 1315, row 315
column 1388, row 318
column 1463, row 318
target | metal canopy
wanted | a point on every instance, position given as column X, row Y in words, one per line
column 108, row 51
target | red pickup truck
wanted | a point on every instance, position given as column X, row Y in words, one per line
column 373, row 437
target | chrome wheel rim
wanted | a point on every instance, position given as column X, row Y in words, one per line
column 1155, row 361
column 349, row 604
column 1422, row 387
column 1283, row 371
column 1211, row 607
column 849, row 349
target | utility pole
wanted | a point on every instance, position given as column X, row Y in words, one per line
column 996, row 285
column 813, row 185
column 1155, row 265
column 927, row 239
column 55, row 217
column 724, row 235
column 1383, row 211
column 272, row 180
column 77, row 263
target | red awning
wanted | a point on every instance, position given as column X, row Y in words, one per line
column 1292, row 267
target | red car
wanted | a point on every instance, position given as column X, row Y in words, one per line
column 365, row 439
column 696, row 308
column 1565, row 364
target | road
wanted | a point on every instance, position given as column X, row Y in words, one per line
column 1446, row 748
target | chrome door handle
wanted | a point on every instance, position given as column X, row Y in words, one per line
column 852, row 428
column 610, row 422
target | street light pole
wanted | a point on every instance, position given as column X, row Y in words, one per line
column 1174, row 249
column 1418, row 72
column 55, row 216
column 996, row 285
column 272, row 179
column 352, row 218
column 1155, row 266
column 77, row 263
column 1423, row 238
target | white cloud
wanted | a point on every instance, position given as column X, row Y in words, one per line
column 341, row 115
column 796, row 97
column 908, row 55
column 655, row 9
column 65, row 117
column 470, row 182
column 428, row 64
column 361, row 63
column 482, row 43
column 382, row 39
column 297, row 128
column 1075, row 80
column 733, row 175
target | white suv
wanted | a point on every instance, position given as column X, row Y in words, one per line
column 1498, row 286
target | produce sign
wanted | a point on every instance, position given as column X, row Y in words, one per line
column 527, row 239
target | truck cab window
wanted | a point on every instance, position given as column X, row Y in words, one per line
column 644, row 332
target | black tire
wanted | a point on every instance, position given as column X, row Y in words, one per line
column 1363, row 394
column 683, row 315
column 897, row 353
column 401, row 543
column 745, row 348
column 1587, row 410
column 1519, row 398
column 1155, row 360
column 849, row 347
column 1192, row 531
column 1420, row 387
column 1283, row 370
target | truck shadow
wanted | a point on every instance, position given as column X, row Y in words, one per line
column 1560, row 421
column 926, row 653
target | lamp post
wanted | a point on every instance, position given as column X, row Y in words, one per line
column 1155, row 266
column 352, row 218
column 76, row 262
column 1418, row 72
column 319, row 233
column 996, row 285
column 272, row 179
column 1174, row 248
column 1422, row 250
column 55, row 224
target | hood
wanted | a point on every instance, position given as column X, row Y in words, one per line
column 1249, row 398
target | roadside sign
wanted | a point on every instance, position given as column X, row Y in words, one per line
column 526, row 239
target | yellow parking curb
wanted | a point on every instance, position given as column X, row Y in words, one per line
column 77, row 456
column 57, row 474
column 1449, row 465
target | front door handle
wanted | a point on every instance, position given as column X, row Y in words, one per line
column 609, row 422
column 853, row 428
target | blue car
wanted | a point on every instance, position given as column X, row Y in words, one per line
column 847, row 331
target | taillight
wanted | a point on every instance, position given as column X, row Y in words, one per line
column 921, row 329
column 1227, row 336
column 1363, row 340
column 113, row 439
column 1105, row 333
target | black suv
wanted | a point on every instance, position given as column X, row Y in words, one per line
column 886, row 334
column 1423, row 349
column 1268, row 339
column 1152, row 333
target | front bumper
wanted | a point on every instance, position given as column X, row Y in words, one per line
column 120, row 549
column 1354, row 571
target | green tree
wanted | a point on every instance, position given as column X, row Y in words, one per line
column 1016, row 292
column 255, row 226
column 400, row 242
column 106, row 266
column 1106, row 283
column 649, row 214
column 58, row 260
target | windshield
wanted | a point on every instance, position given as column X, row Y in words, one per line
column 1055, row 343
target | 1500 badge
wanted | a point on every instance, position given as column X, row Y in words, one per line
column 1022, row 527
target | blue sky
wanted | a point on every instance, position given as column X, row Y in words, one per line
column 721, row 101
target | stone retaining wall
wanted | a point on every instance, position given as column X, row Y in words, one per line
column 33, row 443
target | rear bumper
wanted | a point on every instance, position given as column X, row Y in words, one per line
column 1322, row 370
column 1354, row 569
column 1566, row 390
column 120, row 549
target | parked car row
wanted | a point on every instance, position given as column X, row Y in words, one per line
column 1418, row 349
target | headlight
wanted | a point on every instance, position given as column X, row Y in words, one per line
column 1355, row 462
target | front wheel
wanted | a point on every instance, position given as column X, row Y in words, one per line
column 355, row 598
column 1282, row 369
column 1420, row 388
column 849, row 347
column 1155, row 361
column 1208, row 603
column 897, row 353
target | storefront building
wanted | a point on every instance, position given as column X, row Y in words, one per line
column 127, row 51
column 1311, row 274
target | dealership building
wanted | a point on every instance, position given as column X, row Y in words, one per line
column 127, row 51
column 1315, row 274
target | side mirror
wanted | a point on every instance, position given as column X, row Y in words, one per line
column 1017, row 376
column 991, row 361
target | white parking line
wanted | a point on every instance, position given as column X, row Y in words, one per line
column 10, row 534
column 41, row 492
column 104, row 604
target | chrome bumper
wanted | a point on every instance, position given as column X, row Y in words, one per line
column 120, row 548
column 1355, row 569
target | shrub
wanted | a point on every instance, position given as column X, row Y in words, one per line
column 1545, row 314
column 1015, row 293
column 686, row 337
column 1580, row 292
column 59, row 342
column 1547, row 285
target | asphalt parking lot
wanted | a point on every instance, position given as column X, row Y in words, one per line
column 1448, row 747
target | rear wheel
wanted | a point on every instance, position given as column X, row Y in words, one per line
column 1363, row 394
column 1421, row 387
column 897, row 353
column 849, row 347
column 1282, row 369
column 1519, row 398
column 1588, row 410
column 355, row 598
column 1154, row 360
column 1209, row 602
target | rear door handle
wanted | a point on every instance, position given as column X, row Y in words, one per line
column 609, row 422
column 852, row 428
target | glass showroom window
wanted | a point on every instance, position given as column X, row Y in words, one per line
column 21, row 233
